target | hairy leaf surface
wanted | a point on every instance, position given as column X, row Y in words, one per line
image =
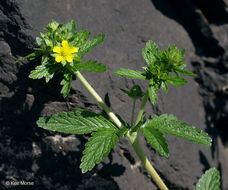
column 169, row 124
column 98, row 146
column 78, row 122
column 209, row 181
column 128, row 73
column 157, row 140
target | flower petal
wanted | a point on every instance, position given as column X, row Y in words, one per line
column 56, row 49
column 73, row 49
column 69, row 58
column 65, row 43
column 58, row 58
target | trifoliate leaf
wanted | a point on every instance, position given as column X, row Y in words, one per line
column 46, row 70
column 98, row 146
column 157, row 140
column 91, row 43
column 164, row 87
column 169, row 124
column 78, row 122
column 90, row 66
column 176, row 80
column 151, row 52
column 128, row 73
column 66, row 82
column 209, row 181
column 152, row 92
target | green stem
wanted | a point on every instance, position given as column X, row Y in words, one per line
column 132, row 137
column 98, row 99
column 150, row 169
column 142, row 108
column 133, row 112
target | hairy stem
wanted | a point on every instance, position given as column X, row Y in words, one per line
column 98, row 99
column 142, row 108
column 133, row 112
column 132, row 137
column 150, row 169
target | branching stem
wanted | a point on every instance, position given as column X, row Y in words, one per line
column 132, row 137
column 98, row 99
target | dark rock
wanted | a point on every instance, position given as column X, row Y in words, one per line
column 51, row 160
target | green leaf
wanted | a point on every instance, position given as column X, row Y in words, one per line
column 80, row 38
column 152, row 91
column 209, row 181
column 169, row 124
column 78, row 122
column 157, row 140
column 185, row 72
column 151, row 52
column 31, row 56
column 90, row 44
column 45, row 70
column 123, row 131
column 90, row 66
column 128, row 73
column 71, row 27
column 164, row 87
column 98, row 146
column 52, row 26
column 176, row 80
column 66, row 82
column 135, row 92
column 173, row 56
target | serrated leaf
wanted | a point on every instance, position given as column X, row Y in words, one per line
column 169, row 124
column 157, row 140
column 98, row 146
column 45, row 70
column 209, row 181
column 128, row 73
column 176, row 80
column 80, row 38
column 78, row 122
column 91, row 43
column 152, row 92
column 66, row 82
column 90, row 66
column 151, row 52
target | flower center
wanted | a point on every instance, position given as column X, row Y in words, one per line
column 65, row 52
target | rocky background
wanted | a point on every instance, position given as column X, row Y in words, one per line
column 51, row 160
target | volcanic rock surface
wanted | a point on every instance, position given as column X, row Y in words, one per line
column 51, row 160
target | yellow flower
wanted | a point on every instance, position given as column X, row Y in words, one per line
column 65, row 53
